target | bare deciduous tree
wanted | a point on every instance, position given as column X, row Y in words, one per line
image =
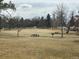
column 71, row 22
column 60, row 15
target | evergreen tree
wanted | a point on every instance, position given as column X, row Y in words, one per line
column 4, row 6
column 48, row 20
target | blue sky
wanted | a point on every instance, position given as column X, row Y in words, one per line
column 33, row 8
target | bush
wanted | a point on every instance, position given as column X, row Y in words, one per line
column 52, row 34
column 35, row 35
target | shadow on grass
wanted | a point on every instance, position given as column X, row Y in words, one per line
column 76, row 41
column 10, row 36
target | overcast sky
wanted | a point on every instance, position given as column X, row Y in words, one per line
column 32, row 8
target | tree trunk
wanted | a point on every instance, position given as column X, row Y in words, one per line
column 62, row 31
column 18, row 33
column 0, row 30
column 77, row 31
column 68, row 30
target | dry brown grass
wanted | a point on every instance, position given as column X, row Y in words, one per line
column 43, row 47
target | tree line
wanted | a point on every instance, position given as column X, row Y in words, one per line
column 39, row 22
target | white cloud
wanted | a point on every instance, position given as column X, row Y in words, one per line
column 25, row 6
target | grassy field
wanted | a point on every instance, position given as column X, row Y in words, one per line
column 43, row 47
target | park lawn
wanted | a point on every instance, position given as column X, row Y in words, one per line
column 43, row 47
